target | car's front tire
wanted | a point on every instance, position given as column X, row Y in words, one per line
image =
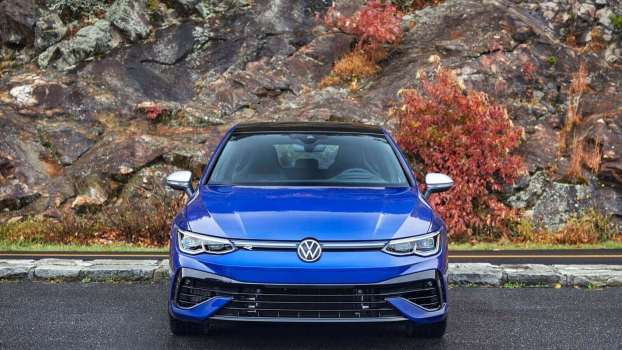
column 431, row 331
column 184, row 328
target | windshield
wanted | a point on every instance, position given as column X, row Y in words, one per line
column 308, row 159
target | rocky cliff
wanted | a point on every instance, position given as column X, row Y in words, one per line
column 101, row 99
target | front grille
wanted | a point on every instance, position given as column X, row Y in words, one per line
column 312, row 302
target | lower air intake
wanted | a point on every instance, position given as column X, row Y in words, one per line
column 308, row 302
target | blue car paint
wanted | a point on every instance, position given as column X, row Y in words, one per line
column 200, row 311
column 418, row 314
column 327, row 214
column 294, row 213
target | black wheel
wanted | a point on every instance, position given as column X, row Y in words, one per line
column 179, row 327
column 432, row 330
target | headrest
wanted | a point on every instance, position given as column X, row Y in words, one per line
column 307, row 163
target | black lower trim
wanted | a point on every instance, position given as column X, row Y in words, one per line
column 308, row 320
column 306, row 302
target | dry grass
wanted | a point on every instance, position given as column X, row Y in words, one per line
column 587, row 227
column 574, row 172
column 593, row 156
column 580, row 152
column 578, row 86
column 353, row 66
column 142, row 224
column 583, row 154
column 597, row 43
column 146, row 224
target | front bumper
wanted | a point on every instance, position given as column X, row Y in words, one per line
column 343, row 286
column 199, row 296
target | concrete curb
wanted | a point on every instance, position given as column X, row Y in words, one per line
column 102, row 270
column 484, row 274
column 467, row 274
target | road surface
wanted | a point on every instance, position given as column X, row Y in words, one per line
column 37, row 315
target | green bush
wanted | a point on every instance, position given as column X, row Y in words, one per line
column 551, row 60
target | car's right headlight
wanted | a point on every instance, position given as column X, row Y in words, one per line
column 194, row 243
column 424, row 245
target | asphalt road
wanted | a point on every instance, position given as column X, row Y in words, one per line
column 562, row 256
column 133, row 316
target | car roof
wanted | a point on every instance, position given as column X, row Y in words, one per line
column 307, row 126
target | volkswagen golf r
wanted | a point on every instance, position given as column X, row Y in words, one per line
column 308, row 222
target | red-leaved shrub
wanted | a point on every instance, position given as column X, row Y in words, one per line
column 373, row 24
column 153, row 112
column 463, row 134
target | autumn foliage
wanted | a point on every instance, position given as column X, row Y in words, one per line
column 447, row 129
column 374, row 25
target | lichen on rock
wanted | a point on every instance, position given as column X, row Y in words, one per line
column 130, row 17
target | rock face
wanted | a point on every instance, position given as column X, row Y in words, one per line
column 141, row 92
column 67, row 142
column 24, row 174
column 17, row 22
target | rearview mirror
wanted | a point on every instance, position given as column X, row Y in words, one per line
column 182, row 181
column 435, row 183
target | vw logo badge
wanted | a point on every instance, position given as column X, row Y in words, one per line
column 309, row 250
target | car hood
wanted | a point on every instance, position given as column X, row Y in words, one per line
column 326, row 214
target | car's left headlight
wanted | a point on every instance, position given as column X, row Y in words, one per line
column 194, row 243
column 424, row 245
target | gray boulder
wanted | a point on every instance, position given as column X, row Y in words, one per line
column 49, row 30
column 130, row 18
column 559, row 202
column 551, row 203
column 88, row 42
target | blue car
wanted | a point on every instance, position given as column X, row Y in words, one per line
column 308, row 222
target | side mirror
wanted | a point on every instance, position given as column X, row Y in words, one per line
column 435, row 183
column 182, row 181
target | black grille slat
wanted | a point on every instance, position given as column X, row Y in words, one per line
column 313, row 302
column 305, row 310
column 310, row 302
column 220, row 291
